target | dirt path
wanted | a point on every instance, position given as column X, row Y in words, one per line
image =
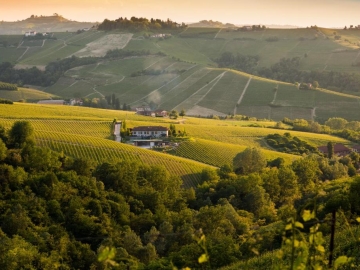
column 176, row 86
column 73, row 84
column 154, row 63
column 211, row 88
column 98, row 92
column 27, row 48
column 217, row 33
column 242, row 95
column 154, row 91
column 216, row 80
column 313, row 114
column 20, row 44
column 275, row 95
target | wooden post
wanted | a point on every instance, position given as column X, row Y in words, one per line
column 331, row 255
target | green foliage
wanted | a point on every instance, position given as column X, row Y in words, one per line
column 245, row 63
column 249, row 161
column 8, row 86
column 291, row 145
column 21, row 133
column 5, row 101
column 173, row 114
column 138, row 24
column 336, row 123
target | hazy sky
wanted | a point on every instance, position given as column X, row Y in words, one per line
column 326, row 13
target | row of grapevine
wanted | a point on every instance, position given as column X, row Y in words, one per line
column 8, row 86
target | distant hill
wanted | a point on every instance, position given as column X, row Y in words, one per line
column 211, row 24
column 55, row 23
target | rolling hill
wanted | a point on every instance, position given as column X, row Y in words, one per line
column 54, row 23
column 85, row 132
column 188, row 78
column 203, row 91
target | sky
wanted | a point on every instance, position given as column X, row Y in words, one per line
column 325, row 13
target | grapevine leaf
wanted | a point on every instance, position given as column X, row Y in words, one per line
column 203, row 258
column 320, row 248
column 288, row 227
column 340, row 260
column 307, row 215
column 299, row 225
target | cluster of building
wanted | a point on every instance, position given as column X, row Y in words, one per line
column 147, row 111
column 34, row 33
column 340, row 149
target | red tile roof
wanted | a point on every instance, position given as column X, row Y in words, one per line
column 338, row 148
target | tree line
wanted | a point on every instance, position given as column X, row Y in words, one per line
column 139, row 24
column 65, row 212
column 8, row 86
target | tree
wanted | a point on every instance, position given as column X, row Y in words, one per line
column 336, row 123
column 330, row 148
column 182, row 113
column 117, row 104
column 173, row 114
column 315, row 84
column 21, row 133
column 249, row 161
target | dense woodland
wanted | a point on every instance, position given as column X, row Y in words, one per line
column 63, row 213
column 140, row 24
column 288, row 70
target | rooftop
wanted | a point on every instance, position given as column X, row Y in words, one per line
column 150, row 128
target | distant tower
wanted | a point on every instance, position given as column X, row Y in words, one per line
column 117, row 128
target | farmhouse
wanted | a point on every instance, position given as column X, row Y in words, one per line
column 161, row 113
column 52, row 102
column 339, row 150
column 76, row 101
column 30, row 34
column 146, row 111
column 150, row 131
column 305, row 86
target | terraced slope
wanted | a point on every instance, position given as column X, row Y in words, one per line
column 25, row 94
column 88, row 139
column 203, row 91
column 85, row 132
